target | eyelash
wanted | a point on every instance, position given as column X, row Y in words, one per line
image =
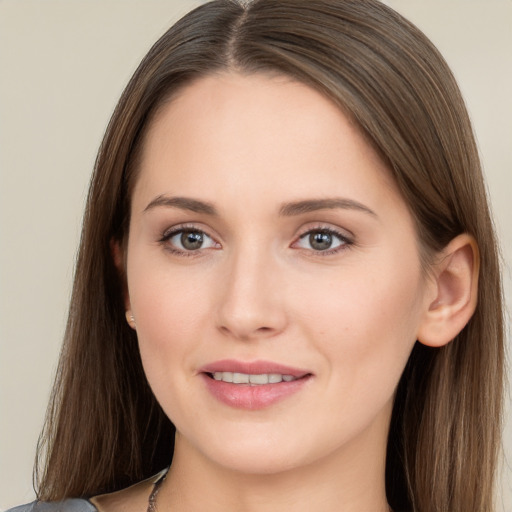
column 170, row 233
column 345, row 242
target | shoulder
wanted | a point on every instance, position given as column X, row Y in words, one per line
column 71, row 505
column 134, row 498
column 131, row 499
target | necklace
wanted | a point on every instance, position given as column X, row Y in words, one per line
column 154, row 492
column 156, row 488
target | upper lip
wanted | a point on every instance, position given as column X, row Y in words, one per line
column 252, row 368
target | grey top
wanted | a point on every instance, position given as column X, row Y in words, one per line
column 72, row 505
column 82, row 505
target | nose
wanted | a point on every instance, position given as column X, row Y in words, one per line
column 252, row 301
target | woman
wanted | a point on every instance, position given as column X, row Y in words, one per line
column 278, row 281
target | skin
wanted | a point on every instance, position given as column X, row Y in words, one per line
column 258, row 290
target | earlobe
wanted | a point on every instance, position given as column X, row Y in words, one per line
column 455, row 285
column 130, row 319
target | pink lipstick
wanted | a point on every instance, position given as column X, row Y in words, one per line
column 252, row 385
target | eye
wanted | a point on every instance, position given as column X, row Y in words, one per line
column 322, row 240
column 188, row 240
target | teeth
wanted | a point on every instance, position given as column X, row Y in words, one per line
column 225, row 376
column 240, row 378
column 256, row 380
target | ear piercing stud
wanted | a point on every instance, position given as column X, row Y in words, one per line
column 130, row 319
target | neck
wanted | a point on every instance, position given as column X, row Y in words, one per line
column 351, row 479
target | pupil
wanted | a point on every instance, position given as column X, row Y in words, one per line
column 320, row 241
column 191, row 240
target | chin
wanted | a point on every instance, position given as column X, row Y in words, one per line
column 258, row 461
column 256, row 454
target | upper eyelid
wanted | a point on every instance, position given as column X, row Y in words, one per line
column 344, row 239
column 185, row 227
column 342, row 232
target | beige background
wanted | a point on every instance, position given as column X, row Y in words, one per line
column 63, row 65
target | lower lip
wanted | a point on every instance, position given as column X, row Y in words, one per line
column 245, row 396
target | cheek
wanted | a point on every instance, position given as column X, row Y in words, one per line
column 169, row 310
column 164, row 302
column 365, row 322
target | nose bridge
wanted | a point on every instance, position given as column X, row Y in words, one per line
column 251, row 304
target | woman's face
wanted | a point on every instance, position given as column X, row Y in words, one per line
column 267, row 239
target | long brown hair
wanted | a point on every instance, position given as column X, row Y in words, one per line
column 104, row 428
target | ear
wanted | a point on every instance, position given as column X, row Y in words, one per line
column 454, row 288
column 117, row 252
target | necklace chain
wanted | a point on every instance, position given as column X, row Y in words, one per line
column 156, row 488
column 154, row 492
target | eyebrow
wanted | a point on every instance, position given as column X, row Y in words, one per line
column 184, row 203
column 312, row 205
column 286, row 210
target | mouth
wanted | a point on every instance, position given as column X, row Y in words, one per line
column 257, row 379
column 253, row 385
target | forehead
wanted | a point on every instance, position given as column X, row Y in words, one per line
column 259, row 101
column 256, row 134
